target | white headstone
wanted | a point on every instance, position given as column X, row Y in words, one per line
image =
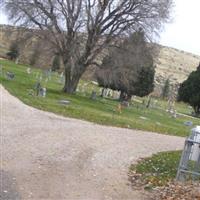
column 43, row 92
column 28, row 70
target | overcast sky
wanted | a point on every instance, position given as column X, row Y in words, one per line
column 183, row 33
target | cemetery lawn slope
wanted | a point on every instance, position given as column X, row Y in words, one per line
column 101, row 110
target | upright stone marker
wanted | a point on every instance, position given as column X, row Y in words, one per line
column 93, row 95
column 28, row 70
column 189, row 167
column 10, row 75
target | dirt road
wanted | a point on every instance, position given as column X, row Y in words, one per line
column 45, row 156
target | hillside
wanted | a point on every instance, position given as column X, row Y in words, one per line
column 175, row 65
column 171, row 63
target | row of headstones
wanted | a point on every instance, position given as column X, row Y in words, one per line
column 103, row 92
column 46, row 75
column 106, row 93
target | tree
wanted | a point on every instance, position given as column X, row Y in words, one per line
column 130, row 68
column 189, row 91
column 56, row 63
column 165, row 90
column 80, row 30
column 145, row 81
column 13, row 53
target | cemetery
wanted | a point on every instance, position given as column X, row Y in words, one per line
column 99, row 101
column 88, row 103
column 99, row 105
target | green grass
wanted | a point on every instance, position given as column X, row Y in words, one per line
column 101, row 111
column 158, row 170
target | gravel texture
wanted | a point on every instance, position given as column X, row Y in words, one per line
column 45, row 156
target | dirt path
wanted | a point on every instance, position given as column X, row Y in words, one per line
column 45, row 156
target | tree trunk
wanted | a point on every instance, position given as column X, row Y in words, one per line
column 129, row 97
column 149, row 102
column 122, row 96
column 72, row 79
column 71, row 83
column 197, row 110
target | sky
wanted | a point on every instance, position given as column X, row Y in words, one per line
column 182, row 33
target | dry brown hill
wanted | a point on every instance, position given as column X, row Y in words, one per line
column 175, row 65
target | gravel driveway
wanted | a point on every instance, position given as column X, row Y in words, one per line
column 45, row 156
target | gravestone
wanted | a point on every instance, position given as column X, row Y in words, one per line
column 31, row 92
column 83, row 89
column 10, row 75
column 93, row 95
column 40, row 78
column 28, row 70
column 94, row 83
column 125, row 104
column 42, row 92
column 38, row 87
column 64, row 102
column 116, row 95
column 154, row 104
column 188, row 123
column 62, row 78
column 104, row 92
column 109, row 93
column 37, row 76
column 143, row 118
column 49, row 74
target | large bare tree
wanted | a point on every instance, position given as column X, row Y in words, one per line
column 80, row 30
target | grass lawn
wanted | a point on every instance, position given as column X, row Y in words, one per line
column 158, row 170
column 101, row 111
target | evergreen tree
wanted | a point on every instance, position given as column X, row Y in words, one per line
column 130, row 68
column 189, row 91
column 145, row 81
